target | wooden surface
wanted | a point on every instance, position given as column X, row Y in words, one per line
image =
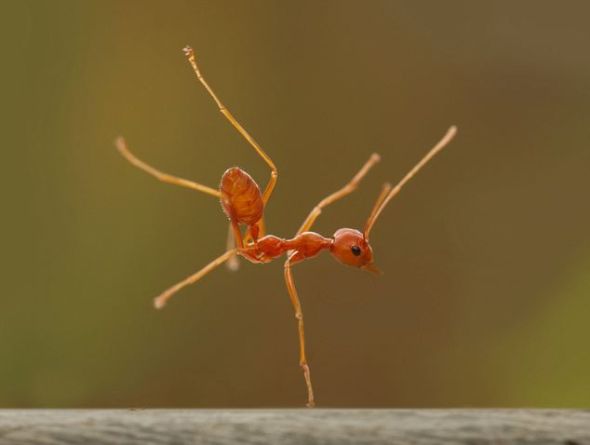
column 294, row 426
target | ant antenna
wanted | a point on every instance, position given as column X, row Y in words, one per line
column 384, row 192
column 387, row 193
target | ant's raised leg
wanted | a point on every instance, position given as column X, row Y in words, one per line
column 161, row 300
column 346, row 190
column 274, row 173
column 164, row 177
column 299, row 316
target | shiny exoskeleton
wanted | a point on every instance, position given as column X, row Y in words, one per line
column 244, row 203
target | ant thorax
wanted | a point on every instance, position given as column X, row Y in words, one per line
column 269, row 247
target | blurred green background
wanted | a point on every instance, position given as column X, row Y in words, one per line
column 485, row 296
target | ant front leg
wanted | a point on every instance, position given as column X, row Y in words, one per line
column 294, row 258
column 346, row 190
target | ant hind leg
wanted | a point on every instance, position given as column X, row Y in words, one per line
column 233, row 262
column 190, row 54
column 164, row 177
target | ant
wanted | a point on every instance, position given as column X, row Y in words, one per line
column 243, row 203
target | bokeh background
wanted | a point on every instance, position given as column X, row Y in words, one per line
column 485, row 296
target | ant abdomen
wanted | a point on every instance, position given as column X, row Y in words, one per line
column 241, row 199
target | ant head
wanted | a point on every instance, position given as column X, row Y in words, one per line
column 350, row 247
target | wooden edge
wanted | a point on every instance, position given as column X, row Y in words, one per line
column 295, row 426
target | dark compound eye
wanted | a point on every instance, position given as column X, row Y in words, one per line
column 356, row 250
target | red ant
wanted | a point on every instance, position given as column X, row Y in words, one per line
column 243, row 203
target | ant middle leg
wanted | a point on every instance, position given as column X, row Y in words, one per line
column 293, row 259
column 188, row 51
column 346, row 190
column 253, row 233
column 161, row 299
column 164, row 177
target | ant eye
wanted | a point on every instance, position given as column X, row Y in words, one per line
column 356, row 250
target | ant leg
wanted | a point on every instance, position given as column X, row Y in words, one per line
column 161, row 300
column 188, row 51
column 259, row 229
column 346, row 190
column 164, row 177
column 237, row 233
column 299, row 316
column 233, row 262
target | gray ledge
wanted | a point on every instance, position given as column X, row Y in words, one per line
column 295, row 426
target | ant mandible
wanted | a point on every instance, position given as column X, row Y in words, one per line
column 243, row 203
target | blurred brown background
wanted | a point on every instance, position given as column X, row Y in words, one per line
column 485, row 296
